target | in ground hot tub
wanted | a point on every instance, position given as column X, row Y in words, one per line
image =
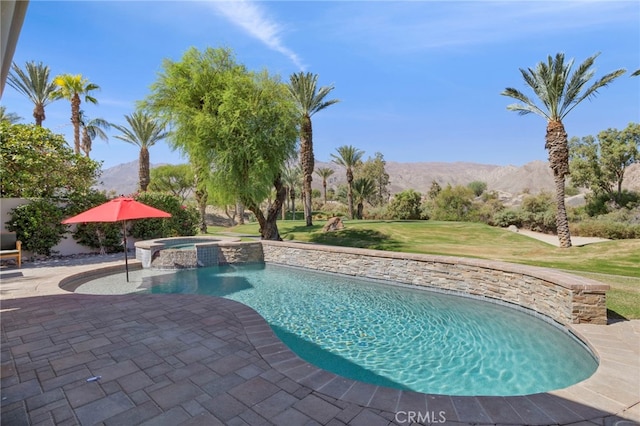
column 180, row 252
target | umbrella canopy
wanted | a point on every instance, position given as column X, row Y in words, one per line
column 121, row 208
column 118, row 209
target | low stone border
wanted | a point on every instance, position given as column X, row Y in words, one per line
column 563, row 297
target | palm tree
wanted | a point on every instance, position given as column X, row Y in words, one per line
column 324, row 173
column 559, row 93
column 291, row 179
column 308, row 100
column 9, row 117
column 348, row 157
column 33, row 82
column 72, row 87
column 363, row 189
column 91, row 129
column 144, row 131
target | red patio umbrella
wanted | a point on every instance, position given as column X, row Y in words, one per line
column 118, row 209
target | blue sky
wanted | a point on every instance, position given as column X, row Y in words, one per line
column 418, row 81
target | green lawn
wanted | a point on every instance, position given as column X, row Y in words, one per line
column 616, row 263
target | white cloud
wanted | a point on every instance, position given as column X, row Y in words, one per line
column 253, row 19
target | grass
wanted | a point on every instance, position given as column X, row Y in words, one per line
column 613, row 262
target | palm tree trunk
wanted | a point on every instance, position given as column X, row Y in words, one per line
column 308, row 164
column 201, row 200
column 38, row 114
column 75, row 120
column 324, row 190
column 143, row 169
column 350, row 193
column 557, row 145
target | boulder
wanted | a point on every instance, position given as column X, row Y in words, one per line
column 333, row 224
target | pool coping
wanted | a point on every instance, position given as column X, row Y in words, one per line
column 608, row 394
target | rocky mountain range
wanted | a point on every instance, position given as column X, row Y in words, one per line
column 532, row 177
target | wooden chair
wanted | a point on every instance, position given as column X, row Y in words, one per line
column 10, row 247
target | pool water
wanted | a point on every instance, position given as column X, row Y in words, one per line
column 397, row 336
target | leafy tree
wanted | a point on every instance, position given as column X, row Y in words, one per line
column 9, row 117
column 348, row 157
column 599, row 164
column 177, row 180
column 72, row 88
column 308, row 99
column 33, row 82
column 434, row 190
column 477, row 187
column 363, row 190
column 241, row 124
column 92, row 128
column 374, row 169
column 34, row 163
column 453, row 203
column 405, row 205
column 559, row 93
column 144, row 131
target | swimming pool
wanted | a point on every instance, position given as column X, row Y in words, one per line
column 396, row 336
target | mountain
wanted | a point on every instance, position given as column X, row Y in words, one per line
column 532, row 177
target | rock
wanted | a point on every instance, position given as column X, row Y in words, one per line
column 513, row 228
column 333, row 224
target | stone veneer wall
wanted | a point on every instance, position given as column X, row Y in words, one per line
column 565, row 298
column 240, row 252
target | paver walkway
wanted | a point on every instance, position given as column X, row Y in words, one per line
column 198, row 360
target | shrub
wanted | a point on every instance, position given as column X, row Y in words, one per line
column 405, row 205
column 477, row 187
column 453, row 203
column 105, row 236
column 600, row 204
column 606, row 229
column 38, row 225
column 183, row 220
column 507, row 217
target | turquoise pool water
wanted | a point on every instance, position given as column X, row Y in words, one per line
column 397, row 336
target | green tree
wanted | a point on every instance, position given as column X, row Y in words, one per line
column 38, row 225
column 144, row 131
column 324, row 173
column 177, row 180
column 477, row 187
column 453, row 203
column 35, row 163
column 348, row 157
column 434, row 190
column 241, row 124
column 600, row 163
column 560, row 92
column 72, row 88
column 309, row 100
column 9, row 117
column 33, row 82
column 374, row 169
column 363, row 189
column 405, row 205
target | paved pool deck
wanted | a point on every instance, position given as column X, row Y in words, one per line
column 198, row 360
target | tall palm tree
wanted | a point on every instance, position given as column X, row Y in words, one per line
column 33, row 82
column 559, row 93
column 348, row 157
column 72, row 87
column 10, row 117
column 291, row 177
column 324, row 173
column 144, row 131
column 308, row 99
column 363, row 189
column 91, row 129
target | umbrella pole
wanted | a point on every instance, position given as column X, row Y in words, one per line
column 126, row 261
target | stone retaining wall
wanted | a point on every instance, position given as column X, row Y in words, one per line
column 565, row 298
